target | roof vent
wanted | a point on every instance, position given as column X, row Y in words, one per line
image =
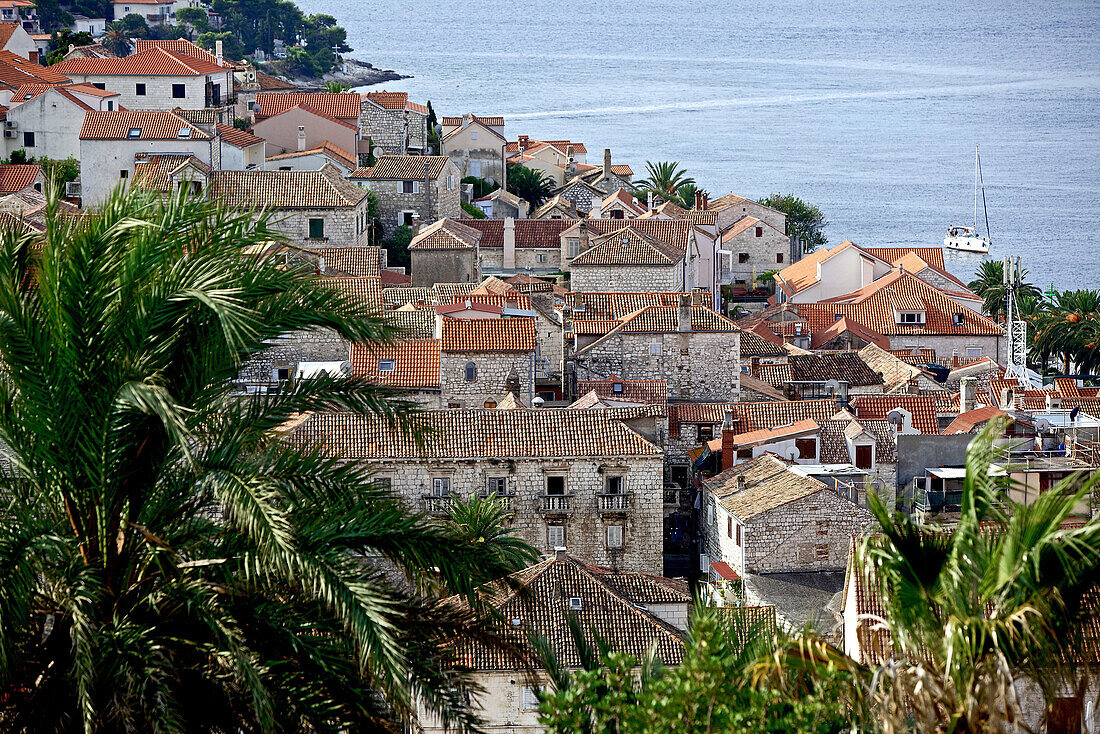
column 135, row 132
column 469, row 304
column 575, row 604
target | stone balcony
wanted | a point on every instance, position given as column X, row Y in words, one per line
column 556, row 504
column 611, row 504
column 435, row 505
column 507, row 500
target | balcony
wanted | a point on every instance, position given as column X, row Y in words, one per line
column 610, row 504
column 556, row 504
column 504, row 499
column 438, row 506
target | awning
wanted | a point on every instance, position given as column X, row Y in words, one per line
column 723, row 570
column 949, row 472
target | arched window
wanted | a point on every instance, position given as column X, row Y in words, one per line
column 471, row 372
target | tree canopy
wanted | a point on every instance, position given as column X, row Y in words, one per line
column 803, row 219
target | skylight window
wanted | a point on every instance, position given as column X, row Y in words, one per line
column 185, row 132
column 135, row 132
column 385, row 365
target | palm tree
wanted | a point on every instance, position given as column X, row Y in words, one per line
column 167, row 562
column 665, row 179
column 989, row 284
column 1071, row 328
column 336, row 87
column 115, row 41
column 483, row 523
column 529, row 184
column 685, row 195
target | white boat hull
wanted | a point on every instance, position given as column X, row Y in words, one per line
column 966, row 244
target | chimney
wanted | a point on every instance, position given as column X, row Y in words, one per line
column 509, row 243
column 649, row 200
column 218, row 51
column 559, row 553
column 706, row 201
column 742, row 483
column 683, row 315
column 321, row 265
column 523, row 142
column 301, row 138
column 729, row 450
column 754, row 366
column 1008, row 399
column 966, row 394
column 582, row 235
column 607, row 162
column 954, row 360
column 698, row 203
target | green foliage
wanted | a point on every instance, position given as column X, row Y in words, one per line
column 473, row 211
column 51, row 16
column 61, row 40
column 231, row 47
column 803, row 219
column 167, row 561
column 336, row 87
column 299, row 61
column 60, row 171
column 240, row 123
column 1070, row 327
column 482, row 522
column 116, row 39
column 665, row 180
column 19, row 157
column 434, row 129
column 257, row 23
column 989, row 284
column 197, row 19
column 481, row 186
column 685, row 195
column 134, row 25
column 398, row 246
column 529, row 184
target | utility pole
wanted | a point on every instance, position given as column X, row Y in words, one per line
column 1015, row 326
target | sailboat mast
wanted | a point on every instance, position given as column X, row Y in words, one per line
column 975, row 188
column 985, row 208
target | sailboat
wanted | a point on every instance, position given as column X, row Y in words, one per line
column 967, row 239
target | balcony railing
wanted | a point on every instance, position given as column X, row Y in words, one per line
column 436, row 505
column 613, row 502
column 505, row 499
column 556, row 504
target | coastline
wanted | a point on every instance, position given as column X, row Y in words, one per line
column 358, row 74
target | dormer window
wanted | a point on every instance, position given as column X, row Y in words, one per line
column 135, row 132
column 958, row 318
column 386, row 365
column 617, row 388
column 910, row 317
column 185, row 132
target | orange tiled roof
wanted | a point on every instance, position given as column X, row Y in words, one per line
column 679, row 233
column 151, row 124
column 16, row 71
column 366, row 290
column 237, row 138
column 317, row 112
column 540, row 233
column 321, row 189
column 627, row 247
column 325, row 148
column 16, row 177
column 968, row 421
column 767, row 484
column 151, row 62
column 181, row 46
column 749, row 416
column 339, row 105
column 637, row 391
column 404, row 168
column 931, row 255
column 490, row 121
column 876, row 407
column 6, row 29
column 357, row 261
column 415, row 363
column 154, row 173
column 446, row 234
column 488, row 335
column 615, row 305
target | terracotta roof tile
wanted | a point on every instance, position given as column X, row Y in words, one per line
column 402, row 295
column 617, row 305
column 154, row 172
column 16, row 71
column 364, row 289
column 16, row 177
column 749, row 416
column 182, row 46
column 339, row 105
column 842, row 366
column 446, row 234
column 971, row 419
column 325, row 148
column 237, row 138
column 627, row 247
column 931, row 255
column 321, row 189
column 489, row 121
column 768, row 483
column 404, row 168
column 540, row 233
column 357, row 261
column 417, row 323
column 489, row 335
column 634, row 391
column 151, row 62
column 149, row 124
column 415, row 363
column 678, row 233
column 921, row 407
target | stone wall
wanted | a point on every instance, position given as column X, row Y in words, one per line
column 319, row 345
column 386, row 129
column 810, row 534
column 444, row 199
column 343, row 227
column 761, row 252
column 635, row 279
column 585, row 479
column 698, row 365
column 583, row 197
column 493, row 371
column 994, row 347
column 444, row 266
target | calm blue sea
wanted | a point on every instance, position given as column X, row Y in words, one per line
column 869, row 109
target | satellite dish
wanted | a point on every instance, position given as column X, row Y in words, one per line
column 832, row 387
column 1042, row 425
column 345, row 367
column 537, row 402
column 795, row 454
column 379, row 152
column 896, row 418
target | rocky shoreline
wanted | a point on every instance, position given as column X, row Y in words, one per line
column 358, row 74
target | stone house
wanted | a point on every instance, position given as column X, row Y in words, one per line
column 581, row 194
column 155, row 79
column 580, row 479
column 47, row 119
column 754, row 248
column 503, row 204
column 411, row 366
column 476, row 146
column 692, row 347
column 830, row 374
column 413, row 188
column 731, row 208
column 313, row 159
column 482, row 360
column 628, row 260
column 550, row 157
column 304, row 127
column 608, row 178
column 445, row 252
column 311, row 208
column 763, row 516
column 557, row 207
column 388, row 120
column 520, row 246
column 619, row 204
column 118, row 140
column 633, row 612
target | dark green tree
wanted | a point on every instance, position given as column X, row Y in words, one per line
column 231, row 47
column 804, row 220
column 61, row 40
column 397, row 245
column 134, row 26
column 52, row 17
column 116, row 40
column 169, row 561
column 989, row 284
column 529, row 184
column 665, row 179
column 197, row 19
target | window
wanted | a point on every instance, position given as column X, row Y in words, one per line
column 410, row 187
column 821, row 551
column 497, row 486
column 28, row 140
column 865, row 456
column 737, row 540
column 958, row 318
column 110, row 105
column 742, row 257
column 285, row 168
column 706, row 432
column 179, row 91
column 383, row 484
column 316, row 228
column 555, row 536
column 489, row 404
column 185, row 132
column 555, row 485
column 806, row 447
column 911, row 317
column 441, row 487
column 655, row 349
column 407, row 218
column 282, row 374
column 100, row 85
column 251, row 105
column 759, row 231
column 471, row 372
column 729, row 527
column 386, row 365
column 38, row 187
column 1065, row 715
column 540, row 257
column 528, row 701
column 616, row 485
column 617, row 388
column 614, row 536
column 135, row 132
column 473, row 135
column 450, row 182
column 139, row 90
column 779, row 257
column 574, row 248
column 973, row 351
column 123, row 174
